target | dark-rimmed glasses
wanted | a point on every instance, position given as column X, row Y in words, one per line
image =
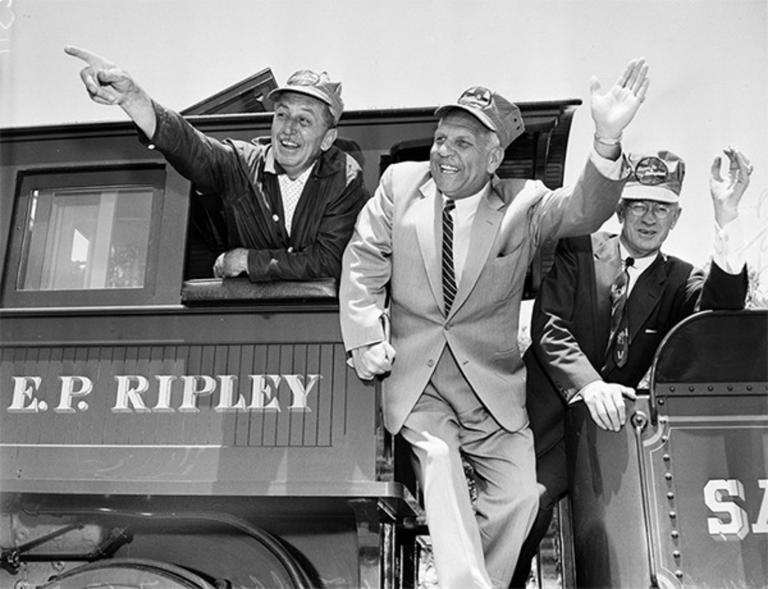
column 660, row 210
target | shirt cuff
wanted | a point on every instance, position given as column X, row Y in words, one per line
column 611, row 169
column 729, row 248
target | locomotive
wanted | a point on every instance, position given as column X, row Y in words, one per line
column 163, row 428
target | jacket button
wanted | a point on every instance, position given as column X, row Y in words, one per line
column 275, row 218
column 430, row 362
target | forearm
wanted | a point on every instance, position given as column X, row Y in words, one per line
column 563, row 359
column 139, row 106
column 206, row 162
column 581, row 208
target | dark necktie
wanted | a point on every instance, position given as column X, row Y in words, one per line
column 618, row 342
column 449, row 273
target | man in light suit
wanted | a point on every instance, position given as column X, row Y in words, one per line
column 575, row 354
column 441, row 252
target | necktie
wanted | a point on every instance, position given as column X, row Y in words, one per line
column 618, row 342
column 449, row 276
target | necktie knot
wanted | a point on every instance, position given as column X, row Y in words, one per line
column 449, row 205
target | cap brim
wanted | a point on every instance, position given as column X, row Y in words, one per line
column 306, row 90
column 634, row 191
column 479, row 115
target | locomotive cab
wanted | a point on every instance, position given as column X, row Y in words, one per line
column 162, row 426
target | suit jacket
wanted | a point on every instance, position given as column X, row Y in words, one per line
column 571, row 322
column 394, row 257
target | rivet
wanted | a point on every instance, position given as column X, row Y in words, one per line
column 666, row 457
column 729, row 387
column 691, row 388
column 676, row 554
column 661, row 400
column 675, row 534
column 672, row 514
column 670, row 495
column 710, row 388
column 749, row 387
column 664, row 438
column 671, row 389
column 668, row 476
column 679, row 574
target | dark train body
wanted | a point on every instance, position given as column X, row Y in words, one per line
column 170, row 428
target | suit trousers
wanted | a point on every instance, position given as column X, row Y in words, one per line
column 473, row 548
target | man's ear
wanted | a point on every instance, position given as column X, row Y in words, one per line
column 329, row 138
column 495, row 158
column 620, row 211
column 678, row 210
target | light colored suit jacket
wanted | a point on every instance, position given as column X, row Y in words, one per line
column 393, row 261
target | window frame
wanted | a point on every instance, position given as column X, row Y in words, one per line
column 160, row 279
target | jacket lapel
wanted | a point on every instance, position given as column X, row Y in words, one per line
column 429, row 230
column 607, row 261
column 482, row 236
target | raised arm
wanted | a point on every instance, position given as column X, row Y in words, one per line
column 107, row 83
column 726, row 191
column 613, row 110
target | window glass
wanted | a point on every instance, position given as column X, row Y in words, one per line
column 86, row 238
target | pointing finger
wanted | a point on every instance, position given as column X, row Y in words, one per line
column 90, row 58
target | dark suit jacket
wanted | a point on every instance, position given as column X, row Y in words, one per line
column 571, row 322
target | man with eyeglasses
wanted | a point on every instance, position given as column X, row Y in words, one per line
column 289, row 206
column 608, row 302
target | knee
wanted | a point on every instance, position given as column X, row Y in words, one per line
column 435, row 450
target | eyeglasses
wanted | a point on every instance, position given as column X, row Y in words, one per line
column 639, row 208
column 650, row 171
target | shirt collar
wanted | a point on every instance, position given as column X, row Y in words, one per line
column 640, row 264
column 271, row 166
column 469, row 203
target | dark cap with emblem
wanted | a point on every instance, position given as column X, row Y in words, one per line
column 493, row 110
column 655, row 176
column 316, row 85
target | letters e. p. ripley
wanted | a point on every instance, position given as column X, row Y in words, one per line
column 131, row 393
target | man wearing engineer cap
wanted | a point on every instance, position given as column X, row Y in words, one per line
column 434, row 274
column 608, row 302
column 290, row 206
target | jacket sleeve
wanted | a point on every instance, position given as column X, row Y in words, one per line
column 713, row 290
column 211, row 165
column 576, row 210
column 322, row 258
column 367, row 269
column 553, row 325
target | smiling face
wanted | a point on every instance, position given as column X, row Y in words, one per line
column 464, row 155
column 300, row 131
column 643, row 233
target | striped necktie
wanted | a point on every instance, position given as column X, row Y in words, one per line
column 449, row 275
column 618, row 342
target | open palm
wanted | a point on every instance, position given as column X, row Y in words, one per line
column 613, row 110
